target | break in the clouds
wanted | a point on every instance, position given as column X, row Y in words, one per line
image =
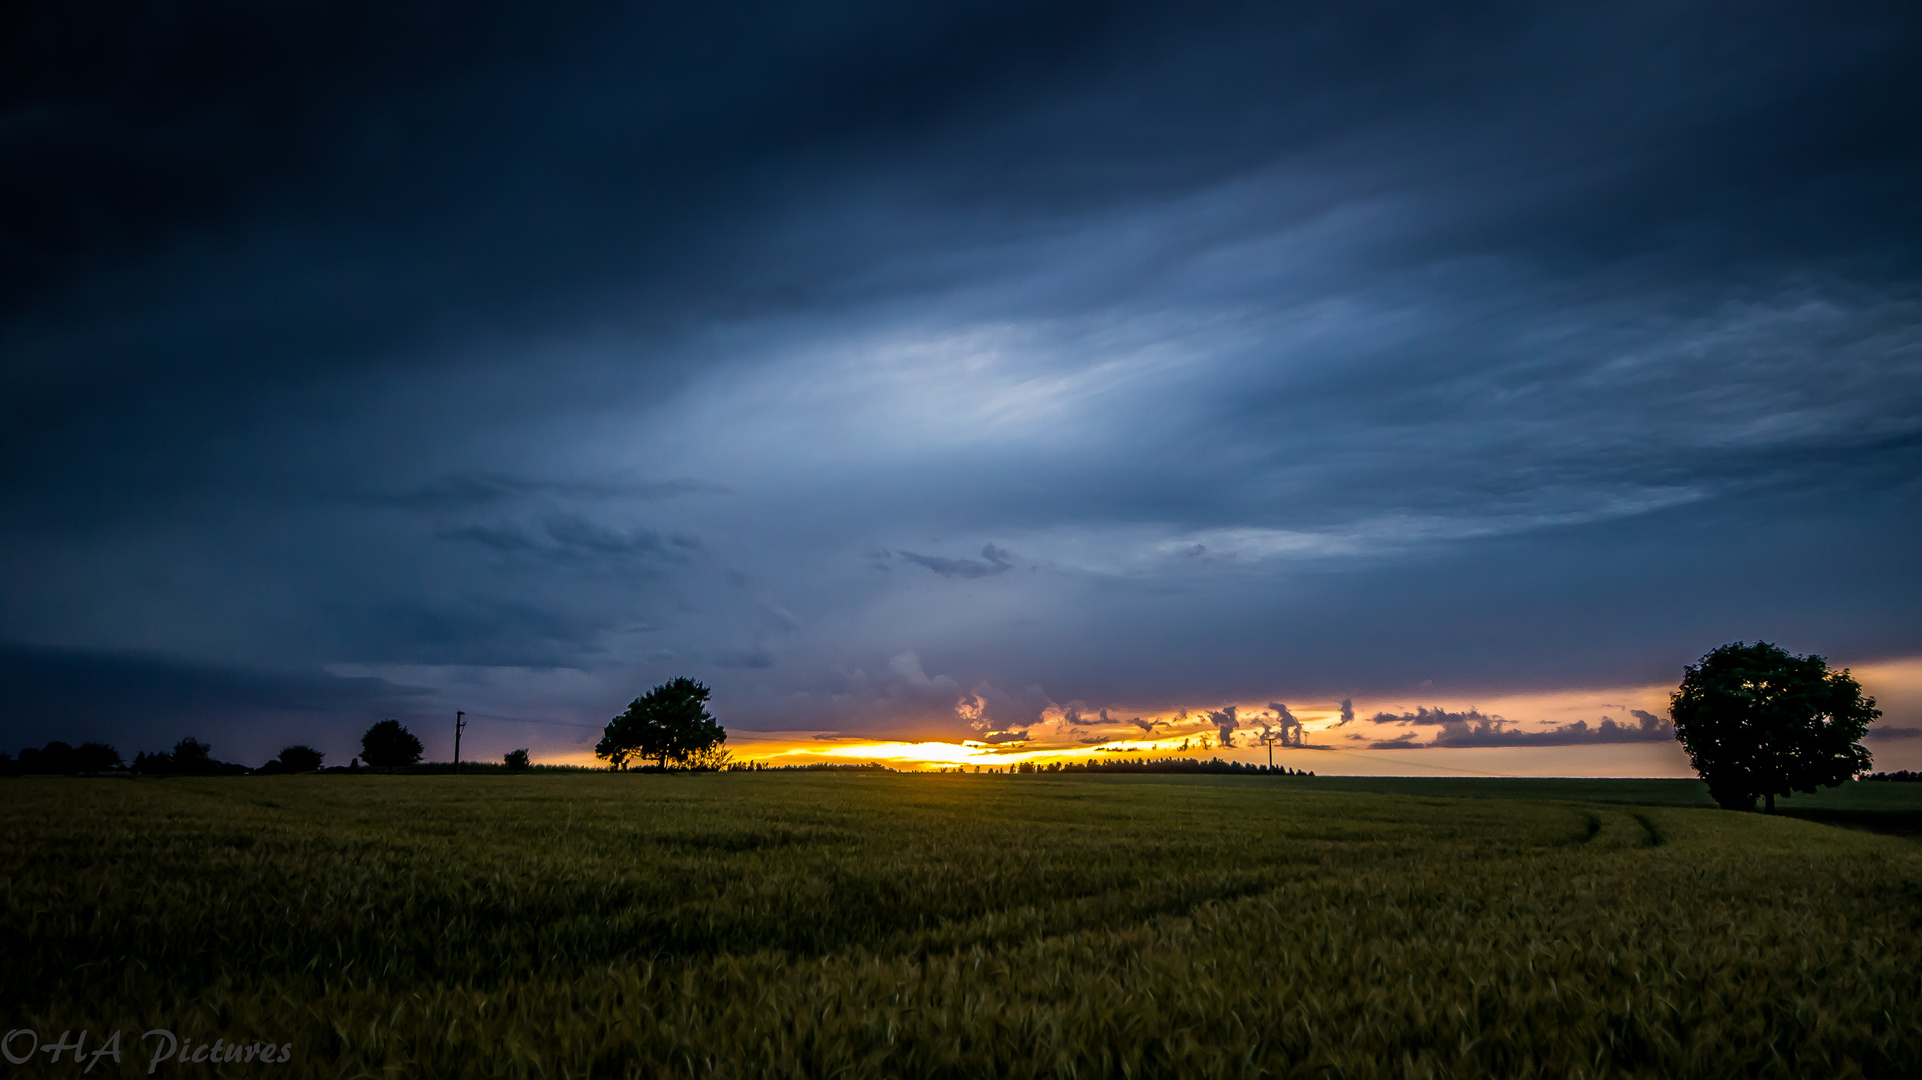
column 1129, row 357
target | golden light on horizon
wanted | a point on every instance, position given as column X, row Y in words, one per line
column 1356, row 746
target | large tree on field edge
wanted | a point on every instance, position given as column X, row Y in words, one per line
column 388, row 744
column 1758, row 721
column 669, row 723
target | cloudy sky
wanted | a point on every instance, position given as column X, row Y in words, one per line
column 950, row 372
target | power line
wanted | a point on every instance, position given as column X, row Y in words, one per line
column 1371, row 756
column 531, row 720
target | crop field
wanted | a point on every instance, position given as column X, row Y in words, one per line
column 916, row 925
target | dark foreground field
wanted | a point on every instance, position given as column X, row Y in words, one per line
column 817, row 925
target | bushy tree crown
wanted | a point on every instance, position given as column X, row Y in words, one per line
column 669, row 725
column 1757, row 721
column 300, row 758
column 388, row 744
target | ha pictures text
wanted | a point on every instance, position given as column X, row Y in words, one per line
column 159, row 1047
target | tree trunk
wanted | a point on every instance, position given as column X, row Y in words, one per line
column 1769, row 801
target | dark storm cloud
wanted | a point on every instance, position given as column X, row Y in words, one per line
column 1893, row 734
column 145, row 701
column 1298, row 350
column 989, row 708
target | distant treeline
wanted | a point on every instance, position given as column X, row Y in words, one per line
column 59, row 757
column 1903, row 777
column 191, row 757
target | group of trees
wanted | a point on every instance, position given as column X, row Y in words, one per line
column 387, row 744
column 60, row 757
column 189, row 757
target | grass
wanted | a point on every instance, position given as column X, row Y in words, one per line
column 849, row 924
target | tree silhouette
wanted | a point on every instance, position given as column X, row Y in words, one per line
column 95, row 757
column 54, row 758
column 388, row 744
column 192, row 757
column 1756, row 720
column 669, row 723
column 299, row 758
column 515, row 759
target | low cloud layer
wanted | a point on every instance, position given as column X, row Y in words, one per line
column 1474, row 729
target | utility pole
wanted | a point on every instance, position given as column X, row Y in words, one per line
column 459, row 723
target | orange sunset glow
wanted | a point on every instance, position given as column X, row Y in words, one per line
column 1329, row 744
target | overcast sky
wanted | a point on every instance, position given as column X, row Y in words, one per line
column 929, row 370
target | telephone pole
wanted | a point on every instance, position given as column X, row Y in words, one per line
column 459, row 723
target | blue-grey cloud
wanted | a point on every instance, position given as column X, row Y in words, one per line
column 569, row 350
column 756, row 657
column 468, row 490
column 993, row 561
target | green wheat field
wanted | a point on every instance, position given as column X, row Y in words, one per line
column 827, row 925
